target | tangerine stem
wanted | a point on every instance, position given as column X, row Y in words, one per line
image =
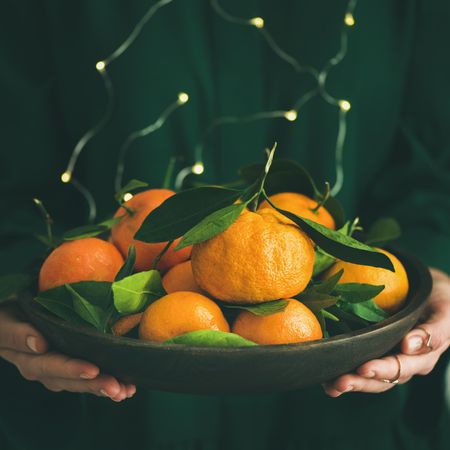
column 47, row 219
column 325, row 197
column 161, row 254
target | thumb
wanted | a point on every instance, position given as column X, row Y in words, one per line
column 18, row 335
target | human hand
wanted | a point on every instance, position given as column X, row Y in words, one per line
column 420, row 349
column 23, row 346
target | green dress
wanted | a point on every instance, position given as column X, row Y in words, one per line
column 396, row 160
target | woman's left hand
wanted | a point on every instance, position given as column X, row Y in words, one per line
column 420, row 349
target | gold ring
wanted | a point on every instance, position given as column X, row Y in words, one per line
column 397, row 378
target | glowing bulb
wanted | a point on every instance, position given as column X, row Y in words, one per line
column 66, row 177
column 127, row 196
column 349, row 19
column 257, row 22
column 183, row 98
column 198, row 168
column 291, row 115
column 100, row 66
column 344, row 105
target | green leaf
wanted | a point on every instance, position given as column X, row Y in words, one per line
column 92, row 314
column 96, row 292
column 90, row 230
column 327, row 286
column 357, row 292
column 367, row 310
column 181, row 212
column 84, row 232
column 61, row 310
column 352, row 321
column 316, row 301
column 212, row 225
column 211, row 338
column 128, row 266
column 382, row 231
column 131, row 186
column 135, row 292
column 262, row 309
column 323, row 325
column 322, row 261
column 340, row 246
column 12, row 285
column 334, row 207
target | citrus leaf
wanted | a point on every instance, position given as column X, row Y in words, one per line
column 90, row 230
column 327, row 286
column 262, row 309
column 12, row 285
column 135, row 292
column 353, row 321
column 211, row 338
column 322, row 261
column 60, row 309
column 334, row 207
column 357, row 292
column 181, row 212
column 131, row 186
column 337, row 244
column 319, row 301
column 92, row 314
column 128, row 266
column 367, row 310
column 84, row 232
column 212, row 225
column 382, row 231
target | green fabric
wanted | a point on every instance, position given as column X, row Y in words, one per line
column 396, row 162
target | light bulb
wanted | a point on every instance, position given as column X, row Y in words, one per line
column 344, row 105
column 349, row 19
column 198, row 168
column 183, row 98
column 291, row 115
column 66, row 177
column 127, row 196
column 257, row 22
column 100, row 66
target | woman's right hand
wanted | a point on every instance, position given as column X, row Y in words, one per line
column 23, row 346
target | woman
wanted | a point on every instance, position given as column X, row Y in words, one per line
column 396, row 162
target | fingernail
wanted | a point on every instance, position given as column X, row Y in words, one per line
column 104, row 393
column 415, row 343
column 87, row 376
column 31, row 343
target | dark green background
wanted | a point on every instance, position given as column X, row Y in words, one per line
column 397, row 162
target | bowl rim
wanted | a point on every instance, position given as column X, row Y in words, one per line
column 26, row 302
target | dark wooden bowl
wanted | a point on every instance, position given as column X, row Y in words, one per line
column 265, row 368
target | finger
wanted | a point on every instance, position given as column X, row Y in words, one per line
column 102, row 386
column 429, row 336
column 18, row 335
column 388, row 367
column 122, row 395
column 355, row 383
column 131, row 390
column 50, row 365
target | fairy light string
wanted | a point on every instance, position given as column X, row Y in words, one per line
column 320, row 76
column 182, row 99
column 101, row 67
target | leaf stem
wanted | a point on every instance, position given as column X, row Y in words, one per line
column 161, row 254
column 324, row 198
column 47, row 219
column 169, row 173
